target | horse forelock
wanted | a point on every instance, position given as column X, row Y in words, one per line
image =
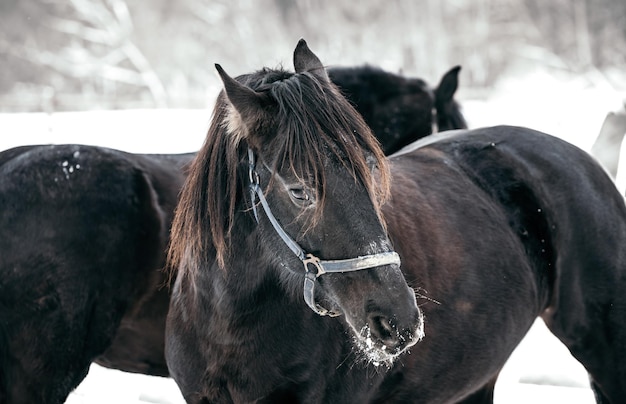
column 310, row 120
column 315, row 119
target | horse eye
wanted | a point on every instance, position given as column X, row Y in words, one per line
column 299, row 194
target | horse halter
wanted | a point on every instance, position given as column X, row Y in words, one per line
column 310, row 261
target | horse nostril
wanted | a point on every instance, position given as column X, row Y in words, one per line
column 382, row 328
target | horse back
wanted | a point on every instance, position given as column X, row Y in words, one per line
column 570, row 192
column 545, row 186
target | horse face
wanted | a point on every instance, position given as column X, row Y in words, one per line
column 377, row 304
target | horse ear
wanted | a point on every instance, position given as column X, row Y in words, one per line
column 244, row 99
column 248, row 103
column 448, row 85
column 304, row 60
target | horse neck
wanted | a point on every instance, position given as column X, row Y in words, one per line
column 249, row 282
column 248, row 310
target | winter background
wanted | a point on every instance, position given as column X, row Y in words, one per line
column 122, row 74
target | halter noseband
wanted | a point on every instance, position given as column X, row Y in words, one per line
column 310, row 261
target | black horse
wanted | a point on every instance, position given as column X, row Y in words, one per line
column 400, row 109
column 278, row 226
column 315, row 168
column 84, row 232
column 83, row 235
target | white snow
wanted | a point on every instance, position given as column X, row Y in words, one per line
column 137, row 131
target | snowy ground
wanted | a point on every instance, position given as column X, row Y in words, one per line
column 541, row 369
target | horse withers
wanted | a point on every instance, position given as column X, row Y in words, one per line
column 288, row 287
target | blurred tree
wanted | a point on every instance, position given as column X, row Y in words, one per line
column 585, row 33
column 18, row 22
column 81, row 46
column 77, row 54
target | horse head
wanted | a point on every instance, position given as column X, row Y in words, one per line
column 400, row 109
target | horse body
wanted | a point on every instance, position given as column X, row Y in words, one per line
column 139, row 339
column 85, row 231
column 484, row 228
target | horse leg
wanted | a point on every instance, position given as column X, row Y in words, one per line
column 52, row 329
column 599, row 344
column 43, row 361
column 600, row 398
column 51, row 386
column 482, row 396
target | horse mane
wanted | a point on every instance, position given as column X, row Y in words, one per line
column 306, row 117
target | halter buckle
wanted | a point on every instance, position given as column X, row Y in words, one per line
column 252, row 174
column 309, row 296
column 316, row 262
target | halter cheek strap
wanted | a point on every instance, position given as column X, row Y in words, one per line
column 313, row 266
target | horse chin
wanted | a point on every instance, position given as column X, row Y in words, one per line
column 372, row 352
